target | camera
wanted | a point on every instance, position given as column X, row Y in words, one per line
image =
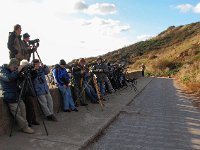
column 33, row 42
column 26, row 71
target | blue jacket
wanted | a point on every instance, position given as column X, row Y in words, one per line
column 40, row 82
column 8, row 84
column 61, row 76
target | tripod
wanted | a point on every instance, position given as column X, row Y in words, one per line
column 98, row 91
column 133, row 83
column 81, row 93
column 27, row 81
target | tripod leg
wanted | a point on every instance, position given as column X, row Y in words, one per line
column 39, row 106
column 98, row 92
column 83, row 92
column 14, row 119
column 42, row 117
column 135, row 88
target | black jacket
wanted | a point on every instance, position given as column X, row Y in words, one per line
column 10, row 44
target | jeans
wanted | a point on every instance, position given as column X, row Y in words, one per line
column 110, row 87
column 67, row 97
column 90, row 92
column 102, row 88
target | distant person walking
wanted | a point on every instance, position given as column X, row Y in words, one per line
column 143, row 67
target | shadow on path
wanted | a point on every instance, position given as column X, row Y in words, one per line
column 162, row 117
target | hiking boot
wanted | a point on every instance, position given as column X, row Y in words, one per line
column 67, row 110
column 54, row 118
column 35, row 123
column 51, row 118
column 28, row 130
column 76, row 110
column 96, row 102
column 84, row 104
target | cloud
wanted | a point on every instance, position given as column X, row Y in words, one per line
column 106, row 26
column 96, row 9
column 81, row 5
column 101, row 9
column 67, row 36
column 184, row 8
column 196, row 9
column 38, row 1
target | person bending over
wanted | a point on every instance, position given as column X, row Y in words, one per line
column 8, row 84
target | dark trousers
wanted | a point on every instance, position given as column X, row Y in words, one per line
column 143, row 73
column 30, row 103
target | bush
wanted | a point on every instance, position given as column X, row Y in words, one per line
column 185, row 79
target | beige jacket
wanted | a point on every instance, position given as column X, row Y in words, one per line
column 22, row 50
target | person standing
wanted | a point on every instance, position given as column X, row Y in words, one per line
column 88, row 89
column 78, row 78
column 143, row 67
column 16, row 45
column 30, row 49
column 101, row 70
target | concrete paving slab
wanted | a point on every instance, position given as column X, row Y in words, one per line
column 75, row 129
column 160, row 118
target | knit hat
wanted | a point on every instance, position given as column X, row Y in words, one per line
column 24, row 62
column 82, row 60
column 62, row 62
column 26, row 35
column 35, row 61
column 99, row 58
column 13, row 62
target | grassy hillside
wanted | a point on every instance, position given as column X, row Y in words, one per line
column 174, row 52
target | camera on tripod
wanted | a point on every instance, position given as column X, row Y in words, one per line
column 26, row 71
column 34, row 42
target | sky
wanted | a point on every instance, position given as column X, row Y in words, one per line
column 71, row 29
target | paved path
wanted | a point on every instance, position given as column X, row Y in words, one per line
column 74, row 130
column 160, row 118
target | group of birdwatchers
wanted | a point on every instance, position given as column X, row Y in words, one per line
column 24, row 85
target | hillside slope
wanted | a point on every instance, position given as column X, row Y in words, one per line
column 174, row 52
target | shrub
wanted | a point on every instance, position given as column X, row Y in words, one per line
column 185, row 79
